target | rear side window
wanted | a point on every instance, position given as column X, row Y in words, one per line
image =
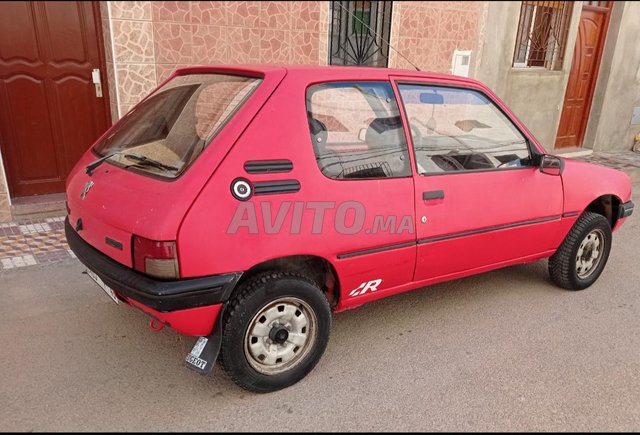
column 356, row 130
column 165, row 133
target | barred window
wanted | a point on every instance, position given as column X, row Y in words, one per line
column 542, row 34
column 360, row 32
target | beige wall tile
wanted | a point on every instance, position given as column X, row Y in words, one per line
column 305, row 47
column 174, row 12
column 111, row 84
column 131, row 10
column 243, row 45
column 275, row 46
column 133, row 41
column 243, row 14
column 135, row 81
column 211, row 13
column 275, row 15
column 209, row 44
column 173, row 42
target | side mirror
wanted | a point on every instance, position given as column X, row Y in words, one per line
column 362, row 135
column 551, row 165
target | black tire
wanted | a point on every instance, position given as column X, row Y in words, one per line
column 248, row 300
column 562, row 265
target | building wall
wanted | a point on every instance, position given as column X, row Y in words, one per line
column 617, row 90
column 535, row 95
column 145, row 41
column 427, row 33
column 149, row 40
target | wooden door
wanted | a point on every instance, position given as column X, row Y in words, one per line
column 49, row 111
column 592, row 30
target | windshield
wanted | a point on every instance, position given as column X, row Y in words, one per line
column 165, row 133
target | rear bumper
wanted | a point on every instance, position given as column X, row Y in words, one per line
column 159, row 296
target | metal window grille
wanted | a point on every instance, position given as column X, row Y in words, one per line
column 542, row 34
column 355, row 43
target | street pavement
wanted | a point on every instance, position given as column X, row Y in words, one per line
column 505, row 350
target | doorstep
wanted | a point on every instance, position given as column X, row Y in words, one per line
column 28, row 208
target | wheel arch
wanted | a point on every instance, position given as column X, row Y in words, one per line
column 606, row 205
column 317, row 268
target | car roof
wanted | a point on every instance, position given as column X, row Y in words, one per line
column 316, row 72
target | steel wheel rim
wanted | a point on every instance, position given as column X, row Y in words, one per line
column 263, row 346
column 590, row 253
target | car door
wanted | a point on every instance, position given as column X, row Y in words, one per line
column 480, row 199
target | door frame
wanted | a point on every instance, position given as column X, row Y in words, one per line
column 102, row 59
column 106, row 101
column 606, row 10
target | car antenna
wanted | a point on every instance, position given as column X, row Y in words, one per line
column 377, row 34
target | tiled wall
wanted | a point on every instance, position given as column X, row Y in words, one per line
column 427, row 33
column 146, row 41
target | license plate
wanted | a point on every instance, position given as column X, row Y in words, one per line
column 103, row 286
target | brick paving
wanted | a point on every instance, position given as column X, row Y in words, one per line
column 33, row 242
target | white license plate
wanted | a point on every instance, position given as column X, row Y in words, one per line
column 103, row 286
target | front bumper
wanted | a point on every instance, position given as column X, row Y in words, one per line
column 625, row 210
column 160, row 296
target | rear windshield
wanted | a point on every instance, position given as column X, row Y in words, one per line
column 165, row 133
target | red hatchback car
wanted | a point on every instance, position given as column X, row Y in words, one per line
column 245, row 205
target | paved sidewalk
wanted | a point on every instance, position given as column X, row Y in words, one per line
column 33, row 242
column 627, row 161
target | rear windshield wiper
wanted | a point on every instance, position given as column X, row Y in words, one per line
column 143, row 160
column 92, row 166
column 140, row 159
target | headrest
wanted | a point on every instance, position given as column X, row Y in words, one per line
column 385, row 133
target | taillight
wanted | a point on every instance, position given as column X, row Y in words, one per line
column 158, row 259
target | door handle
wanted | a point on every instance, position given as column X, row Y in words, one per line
column 434, row 194
column 95, row 75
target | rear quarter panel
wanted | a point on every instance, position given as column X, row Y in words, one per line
column 280, row 131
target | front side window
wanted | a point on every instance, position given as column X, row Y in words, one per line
column 356, row 130
column 456, row 130
column 165, row 133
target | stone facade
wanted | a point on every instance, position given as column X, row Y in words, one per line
column 427, row 33
column 146, row 41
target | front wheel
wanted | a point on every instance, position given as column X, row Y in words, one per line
column 580, row 259
column 276, row 328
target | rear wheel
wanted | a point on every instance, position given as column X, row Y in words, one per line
column 580, row 259
column 275, row 331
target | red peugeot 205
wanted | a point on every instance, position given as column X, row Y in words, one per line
column 245, row 205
